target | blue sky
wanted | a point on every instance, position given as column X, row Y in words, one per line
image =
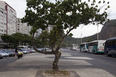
column 81, row 31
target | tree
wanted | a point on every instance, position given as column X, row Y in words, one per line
column 63, row 16
column 16, row 39
column 43, row 39
column 5, row 38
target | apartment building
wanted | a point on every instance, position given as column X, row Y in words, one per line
column 10, row 20
column 9, row 23
column 7, row 19
column 39, row 31
column 23, row 27
column 2, row 18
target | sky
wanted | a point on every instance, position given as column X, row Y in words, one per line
column 81, row 31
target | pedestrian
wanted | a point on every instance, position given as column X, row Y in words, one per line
column 18, row 54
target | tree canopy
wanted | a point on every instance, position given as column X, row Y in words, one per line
column 16, row 39
column 63, row 16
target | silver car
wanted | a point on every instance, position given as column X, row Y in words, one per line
column 3, row 53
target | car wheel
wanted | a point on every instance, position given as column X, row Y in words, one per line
column 108, row 54
column 1, row 57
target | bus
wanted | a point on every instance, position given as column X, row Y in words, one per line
column 110, row 47
column 84, row 47
column 74, row 47
column 96, row 46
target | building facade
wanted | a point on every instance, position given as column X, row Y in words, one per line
column 2, row 18
column 10, row 20
column 9, row 23
column 23, row 27
column 7, row 19
column 39, row 31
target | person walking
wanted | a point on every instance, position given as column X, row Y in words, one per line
column 18, row 54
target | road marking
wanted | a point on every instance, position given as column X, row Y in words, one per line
column 93, row 72
column 83, row 58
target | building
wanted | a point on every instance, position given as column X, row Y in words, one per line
column 2, row 18
column 10, row 20
column 7, row 19
column 39, row 31
column 23, row 27
column 9, row 23
column 50, row 27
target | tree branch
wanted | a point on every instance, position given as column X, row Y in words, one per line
column 35, row 48
column 58, row 47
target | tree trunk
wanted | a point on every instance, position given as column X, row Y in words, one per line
column 55, row 63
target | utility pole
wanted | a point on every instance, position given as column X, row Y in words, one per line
column 98, row 32
column 81, row 38
column 81, row 34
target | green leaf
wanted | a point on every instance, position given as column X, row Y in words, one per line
column 70, row 34
column 99, row 2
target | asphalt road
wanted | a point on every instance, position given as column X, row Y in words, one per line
column 98, row 61
column 84, row 64
column 5, row 62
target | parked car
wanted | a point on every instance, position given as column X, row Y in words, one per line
column 25, row 51
column 43, row 49
column 32, row 50
column 10, row 52
column 3, row 53
column 48, row 49
column 1, row 56
column 40, row 49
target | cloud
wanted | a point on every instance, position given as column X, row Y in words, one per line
column 88, row 30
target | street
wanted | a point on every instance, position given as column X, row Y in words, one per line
column 83, row 64
column 5, row 62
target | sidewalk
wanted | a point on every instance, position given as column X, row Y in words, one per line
column 32, row 64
